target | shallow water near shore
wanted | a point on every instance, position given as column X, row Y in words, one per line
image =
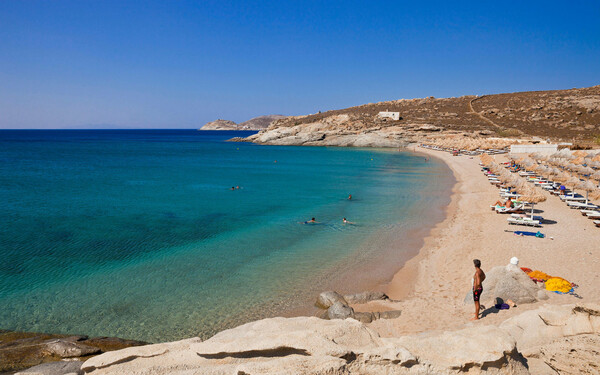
column 138, row 234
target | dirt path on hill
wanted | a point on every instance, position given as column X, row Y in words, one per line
column 480, row 115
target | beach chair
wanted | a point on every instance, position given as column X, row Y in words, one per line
column 523, row 221
column 571, row 197
column 593, row 215
column 582, row 205
column 597, row 222
column 506, row 210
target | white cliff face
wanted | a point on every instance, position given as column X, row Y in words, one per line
column 308, row 345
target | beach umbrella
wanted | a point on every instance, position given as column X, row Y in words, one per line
column 594, row 164
column 587, row 186
column 572, row 181
column 585, row 170
column 533, row 197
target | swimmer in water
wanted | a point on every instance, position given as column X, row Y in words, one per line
column 347, row 222
column 311, row 221
column 349, row 197
column 232, row 188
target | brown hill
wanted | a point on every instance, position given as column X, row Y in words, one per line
column 561, row 115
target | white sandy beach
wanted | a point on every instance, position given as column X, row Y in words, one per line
column 432, row 285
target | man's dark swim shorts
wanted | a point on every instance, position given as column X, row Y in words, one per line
column 477, row 293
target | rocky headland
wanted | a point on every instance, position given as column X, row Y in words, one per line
column 257, row 123
column 559, row 115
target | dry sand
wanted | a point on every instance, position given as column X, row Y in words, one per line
column 431, row 287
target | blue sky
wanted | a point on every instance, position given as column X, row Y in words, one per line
column 179, row 64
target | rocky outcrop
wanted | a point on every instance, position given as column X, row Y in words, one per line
column 70, row 349
column 365, row 297
column 219, row 125
column 257, row 123
column 260, row 122
column 338, row 306
column 509, row 283
column 309, row 345
column 327, row 299
column 22, row 350
column 348, row 131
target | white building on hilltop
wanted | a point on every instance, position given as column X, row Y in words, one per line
column 391, row 115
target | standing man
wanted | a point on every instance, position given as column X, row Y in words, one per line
column 477, row 286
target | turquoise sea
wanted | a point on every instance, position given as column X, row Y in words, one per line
column 137, row 233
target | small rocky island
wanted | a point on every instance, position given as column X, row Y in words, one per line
column 257, row 123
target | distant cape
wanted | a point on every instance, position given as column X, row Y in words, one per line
column 257, row 123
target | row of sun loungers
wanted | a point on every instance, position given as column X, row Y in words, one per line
column 573, row 201
column 517, row 217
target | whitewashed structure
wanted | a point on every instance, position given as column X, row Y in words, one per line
column 545, row 149
column 391, row 115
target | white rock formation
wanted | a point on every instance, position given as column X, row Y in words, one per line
column 308, row 345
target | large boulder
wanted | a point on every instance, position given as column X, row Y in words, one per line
column 340, row 311
column 327, row 299
column 509, row 282
column 69, row 349
column 365, row 297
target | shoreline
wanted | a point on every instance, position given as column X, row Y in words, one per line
column 403, row 283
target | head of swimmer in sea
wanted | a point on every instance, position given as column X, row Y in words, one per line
column 477, row 263
column 313, row 219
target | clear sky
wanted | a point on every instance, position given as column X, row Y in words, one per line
column 179, row 64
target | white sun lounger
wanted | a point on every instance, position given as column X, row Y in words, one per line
column 597, row 222
column 523, row 221
column 506, row 210
column 580, row 205
column 594, row 215
column 571, row 198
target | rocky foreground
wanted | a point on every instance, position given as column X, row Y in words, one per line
column 542, row 341
column 560, row 115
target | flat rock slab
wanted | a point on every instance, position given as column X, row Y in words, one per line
column 22, row 350
column 55, row 368
column 70, row 349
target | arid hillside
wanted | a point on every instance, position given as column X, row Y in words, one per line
column 562, row 115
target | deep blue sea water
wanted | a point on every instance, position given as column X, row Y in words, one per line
column 137, row 233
